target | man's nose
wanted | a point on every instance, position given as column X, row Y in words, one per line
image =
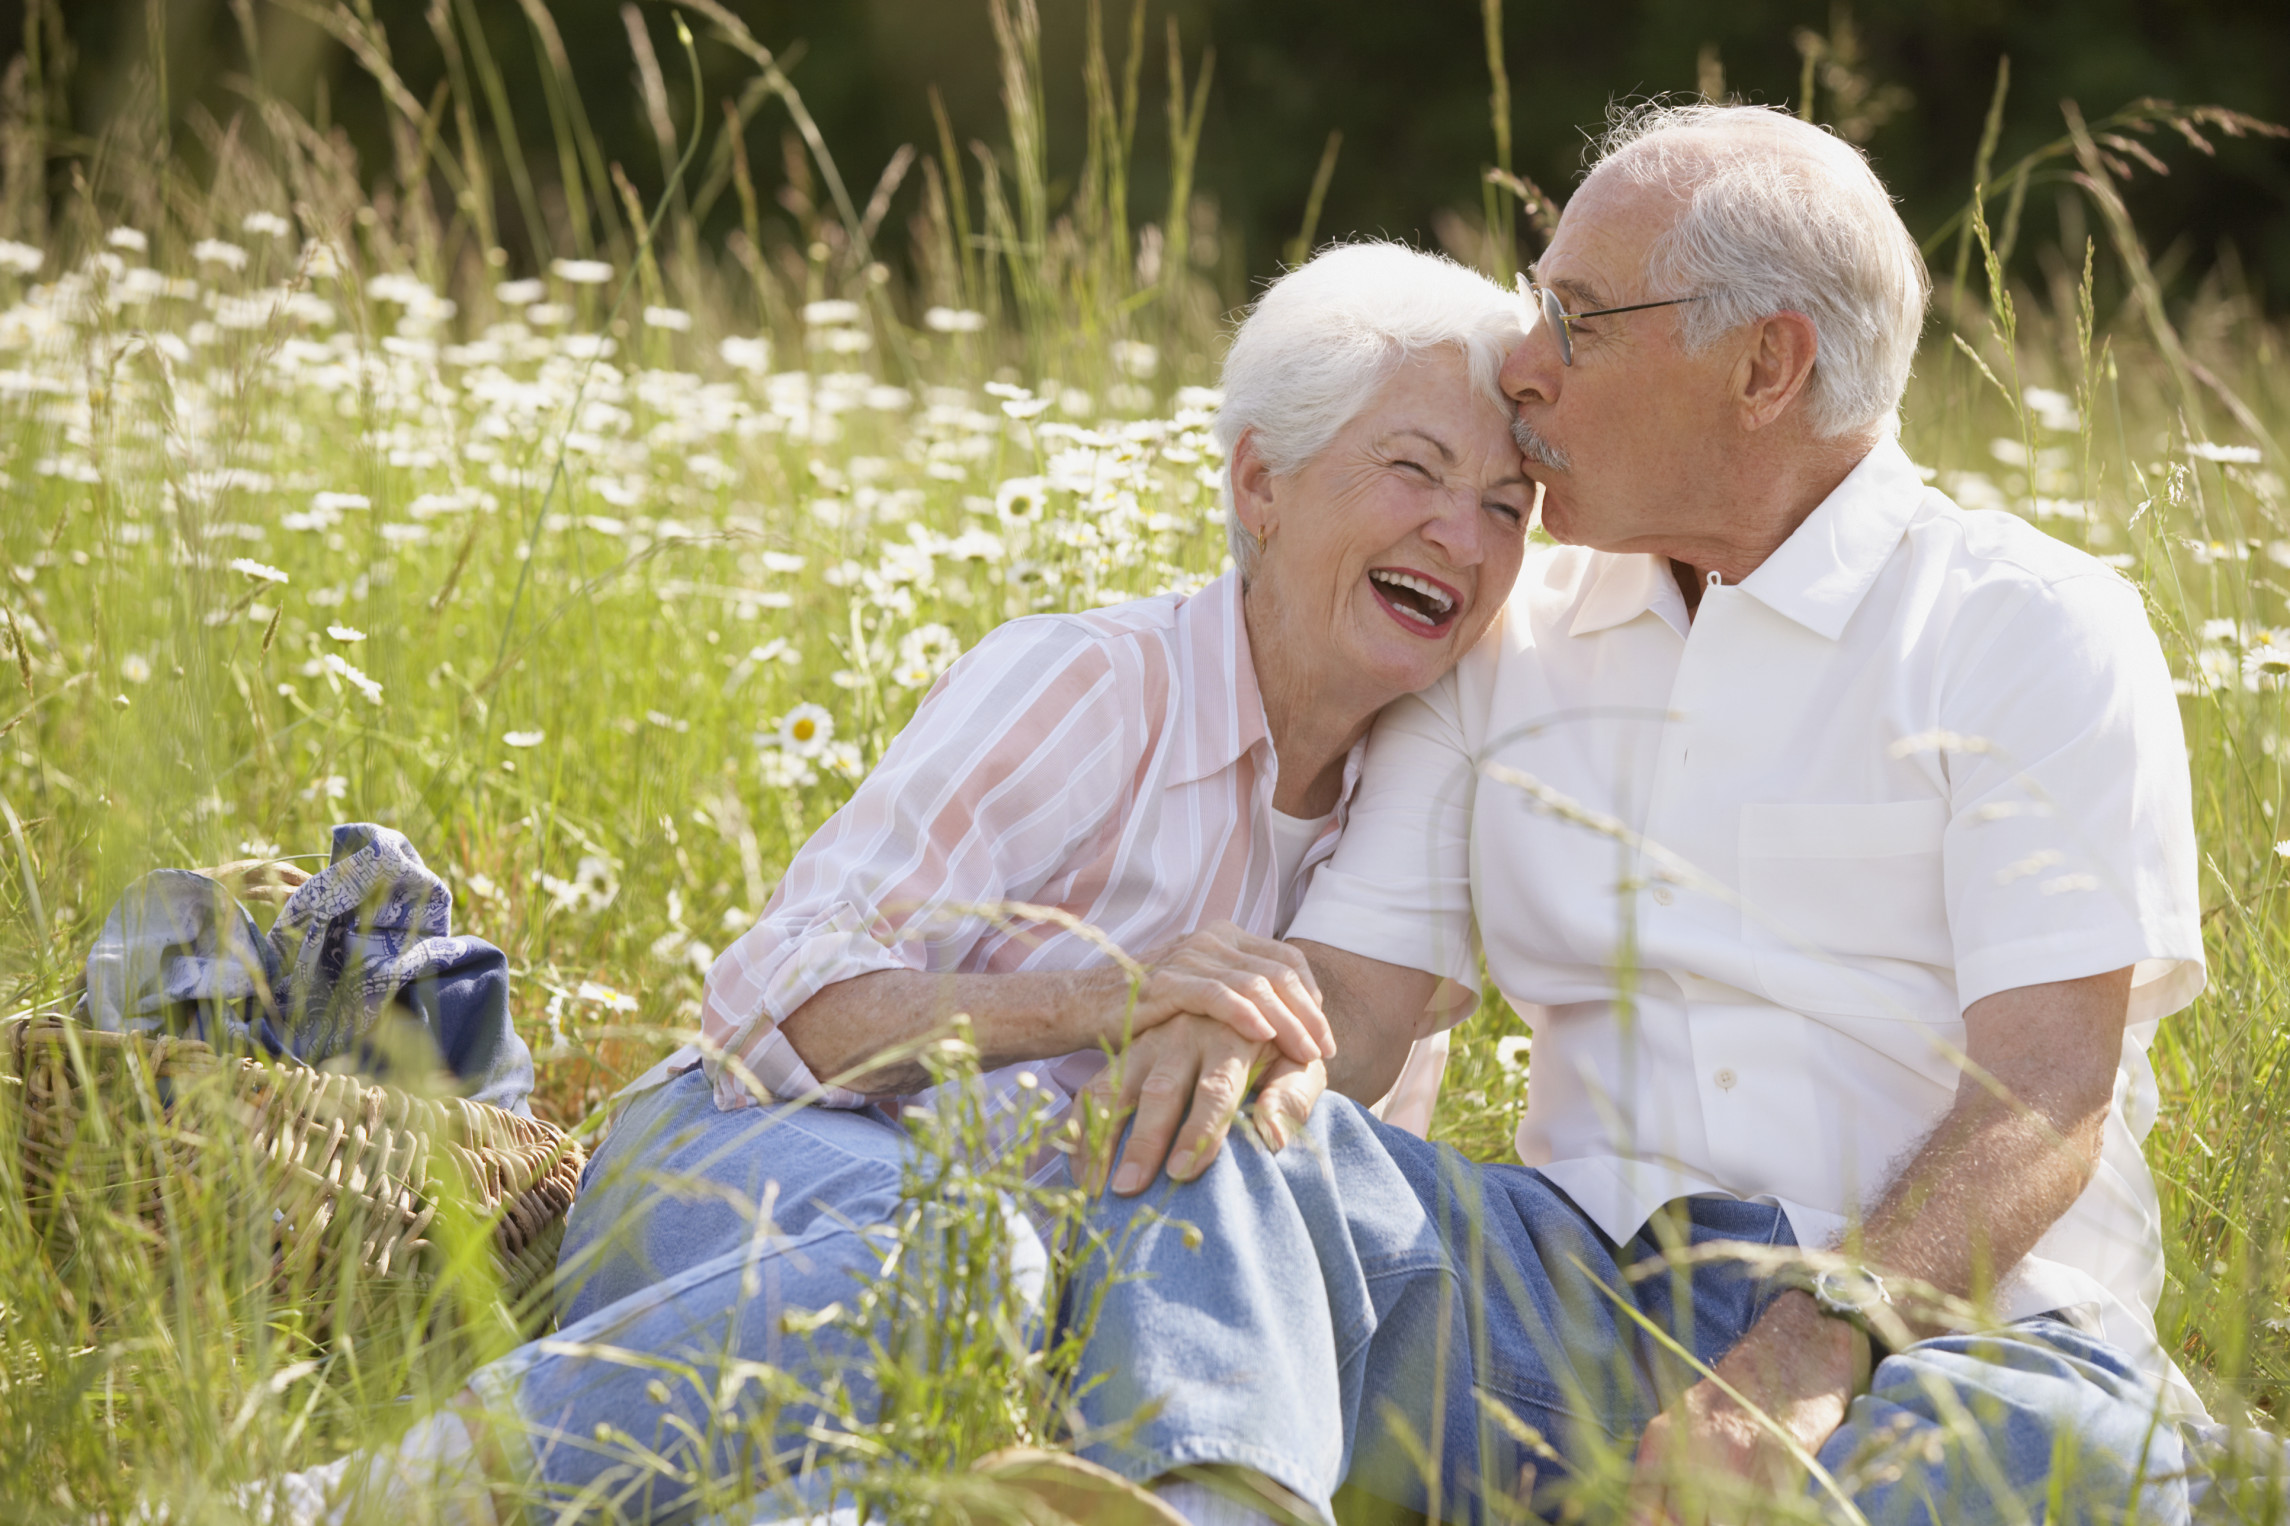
column 1531, row 371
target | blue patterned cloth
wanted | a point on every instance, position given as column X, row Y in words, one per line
column 361, row 961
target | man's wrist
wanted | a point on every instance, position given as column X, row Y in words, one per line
column 1830, row 1344
column 1851, row 1293
column 1842, row 1351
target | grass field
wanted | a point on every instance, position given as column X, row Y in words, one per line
column 605, row 570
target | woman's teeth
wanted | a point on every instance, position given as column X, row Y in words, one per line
column 1430, row 603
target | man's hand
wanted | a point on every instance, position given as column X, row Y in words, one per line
column 1797, row 1366
column 1260, row 988
column 1184, row 1082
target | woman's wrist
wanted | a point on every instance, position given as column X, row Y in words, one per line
column 1104, row 1011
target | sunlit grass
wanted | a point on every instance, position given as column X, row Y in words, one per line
column 606, row 576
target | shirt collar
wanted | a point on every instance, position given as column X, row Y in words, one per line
column 1624, row 585
column 1225, row 705
column 1817, row 577
column 1217, row 677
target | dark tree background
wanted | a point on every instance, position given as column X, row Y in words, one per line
column 1406, row 84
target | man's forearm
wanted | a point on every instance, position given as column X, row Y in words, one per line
column 1377, row 1012
column 2006, row 1161
column 1994, row 1176
column 859, row 1033
column 2019, row 1145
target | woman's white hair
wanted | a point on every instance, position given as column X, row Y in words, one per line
column 1324, row 338
column 1781, row 216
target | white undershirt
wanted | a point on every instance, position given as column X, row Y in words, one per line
column 1292, row 838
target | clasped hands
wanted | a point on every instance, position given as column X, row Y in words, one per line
column 1215, row 1014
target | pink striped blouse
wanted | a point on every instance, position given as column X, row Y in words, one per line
column 1115, row 765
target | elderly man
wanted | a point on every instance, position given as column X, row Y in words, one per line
column 1836, row 843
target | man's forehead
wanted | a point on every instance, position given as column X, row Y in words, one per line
column 1600, row 247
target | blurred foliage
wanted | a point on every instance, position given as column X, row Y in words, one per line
column 1406, row 86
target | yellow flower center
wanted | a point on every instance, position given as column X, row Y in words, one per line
column 806, row 729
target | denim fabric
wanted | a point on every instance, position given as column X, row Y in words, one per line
column 679, row 1182
column 698, row 1234
column 2037, row 1415
column 367, row 938
column 1326, row 1315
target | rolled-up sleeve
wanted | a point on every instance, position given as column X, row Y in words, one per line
column 2070, row 849
column 1399, row 886
column 1019, row 757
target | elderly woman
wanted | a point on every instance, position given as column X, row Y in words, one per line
column 1165, row 774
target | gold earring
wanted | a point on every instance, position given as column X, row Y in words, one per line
column 1263, row 537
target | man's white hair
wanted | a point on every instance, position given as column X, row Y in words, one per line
column 1781, row 216
column 1326, row 336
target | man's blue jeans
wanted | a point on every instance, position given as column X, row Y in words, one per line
column 1368, row 1308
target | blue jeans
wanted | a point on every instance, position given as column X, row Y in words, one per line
column 695, row 1233
column 1370, row 1309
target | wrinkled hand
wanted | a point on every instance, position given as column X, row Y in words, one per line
column 1184, row 1082
column 1707, row 1452
column 1260, row 988
column 262, row 881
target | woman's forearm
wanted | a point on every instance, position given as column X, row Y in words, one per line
column 861, row 1033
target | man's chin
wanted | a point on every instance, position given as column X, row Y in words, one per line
column 1560, row 522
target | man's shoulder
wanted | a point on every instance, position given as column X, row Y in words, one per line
column 2013, row 593
column 1995, row 546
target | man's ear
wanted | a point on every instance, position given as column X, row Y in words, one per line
column 1776, row 367
column 1252, row 484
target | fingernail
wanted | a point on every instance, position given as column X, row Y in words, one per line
column 1130, row 1179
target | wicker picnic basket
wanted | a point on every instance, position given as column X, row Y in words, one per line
column 350, row 1176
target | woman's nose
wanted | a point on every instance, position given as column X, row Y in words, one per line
column 1459, row 528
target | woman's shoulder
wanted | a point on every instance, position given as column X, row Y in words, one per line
column 1125, row 654
column 1116, row 636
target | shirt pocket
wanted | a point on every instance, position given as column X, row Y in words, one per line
column 1835, row 898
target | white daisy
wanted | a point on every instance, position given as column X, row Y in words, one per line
column 806, row 730
column 581, row 272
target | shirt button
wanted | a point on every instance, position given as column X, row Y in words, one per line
column 1664, row 895
column 1725, row 1078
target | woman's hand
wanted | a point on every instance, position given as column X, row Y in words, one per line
column 1183, row 1083
column 1260, row 988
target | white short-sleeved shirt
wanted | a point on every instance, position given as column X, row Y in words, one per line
column 1743, row 874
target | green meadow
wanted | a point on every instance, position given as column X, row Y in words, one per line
column 605, row 569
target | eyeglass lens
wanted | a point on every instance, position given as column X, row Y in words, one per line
column 1555, row 316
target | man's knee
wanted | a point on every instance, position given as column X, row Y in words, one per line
column 2036, row 1417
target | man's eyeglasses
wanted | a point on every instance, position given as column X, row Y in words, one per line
column 1562, row 322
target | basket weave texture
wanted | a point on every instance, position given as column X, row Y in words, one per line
column 344, row 1169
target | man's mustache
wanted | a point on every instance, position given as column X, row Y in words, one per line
column 1537, row 449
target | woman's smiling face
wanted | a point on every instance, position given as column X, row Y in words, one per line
column 1391, row 549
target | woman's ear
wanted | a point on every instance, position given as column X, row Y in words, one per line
column 1252, row 485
